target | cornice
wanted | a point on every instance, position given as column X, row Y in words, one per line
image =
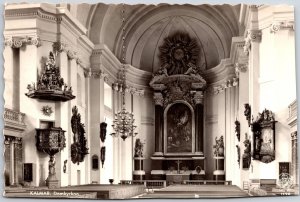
column 267, row 15
column 105, row 60
column 45, row 12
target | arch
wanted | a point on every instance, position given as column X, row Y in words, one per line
column 204, row 13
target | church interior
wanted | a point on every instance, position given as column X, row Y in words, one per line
column 149, row 101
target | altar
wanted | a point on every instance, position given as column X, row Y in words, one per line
column 179, row 111
column 177, row 178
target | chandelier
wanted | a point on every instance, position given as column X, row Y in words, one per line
column 123, row 123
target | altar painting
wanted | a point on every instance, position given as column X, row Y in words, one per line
column 179, row 129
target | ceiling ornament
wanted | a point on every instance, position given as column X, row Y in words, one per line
column 179, row 54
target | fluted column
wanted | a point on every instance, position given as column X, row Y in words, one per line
column 159, row 124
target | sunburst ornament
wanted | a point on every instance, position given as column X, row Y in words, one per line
column 47, row 110
column 178, row 53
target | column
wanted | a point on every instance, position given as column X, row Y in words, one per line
column 14, row 182
column 159, row 123
column 62, row 119
column 8, row 76
column 254, row 87
column 198, row 100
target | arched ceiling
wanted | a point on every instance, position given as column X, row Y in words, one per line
column 146, row 26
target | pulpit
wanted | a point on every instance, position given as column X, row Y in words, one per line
column 178, row 95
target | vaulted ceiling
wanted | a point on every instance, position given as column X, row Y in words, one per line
column 146, row 26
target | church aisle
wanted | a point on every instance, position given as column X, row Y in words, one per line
column 197, row 191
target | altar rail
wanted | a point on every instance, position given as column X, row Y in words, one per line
column 207, row 182
column 147, row 183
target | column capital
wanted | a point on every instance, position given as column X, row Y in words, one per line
column 19, row 41
column 158, row 98
column 240, row 67
column 251, row 36
column 119, row 87
column 198, row 97
column 95, row 73
column 279, row 25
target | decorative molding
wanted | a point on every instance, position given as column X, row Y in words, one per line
column 147, row 121
column 226, row 84
column 240, row 67
column 14, row 123
column 47, row 110
column 158, row 99
column 198, row 97
column 211, row 119
column 95, row 73
column 251, row 36
column 128, row 89
column 72, row 54
column 276, row 26
column 45, row 12
column 19, row 41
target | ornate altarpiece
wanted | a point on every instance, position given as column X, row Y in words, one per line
column 178, row 94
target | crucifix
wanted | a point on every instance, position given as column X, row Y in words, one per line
column 178, row 166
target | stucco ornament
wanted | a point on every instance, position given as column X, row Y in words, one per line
column 179, row 54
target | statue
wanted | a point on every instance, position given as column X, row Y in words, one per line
column 247, row 153
column 247, row 113
column 79, row 147
column 219, row 147
column 138, row 149
column 65, row 166
column 237, row 129
column 103, row 126
column 52, row 165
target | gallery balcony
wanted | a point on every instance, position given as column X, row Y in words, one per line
column 13, row 122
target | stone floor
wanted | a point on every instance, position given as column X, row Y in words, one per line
column 196, row 191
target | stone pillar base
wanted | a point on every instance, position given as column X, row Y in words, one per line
column 52, row 184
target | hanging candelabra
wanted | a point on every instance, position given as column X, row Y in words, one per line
column 123, row 124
